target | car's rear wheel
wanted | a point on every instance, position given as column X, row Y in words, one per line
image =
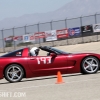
column 90, row 65
column 14, row 73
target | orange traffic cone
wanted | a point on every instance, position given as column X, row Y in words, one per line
column 59, row 78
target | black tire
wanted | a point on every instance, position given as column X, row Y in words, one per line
column 90, row 65
column 14, row 73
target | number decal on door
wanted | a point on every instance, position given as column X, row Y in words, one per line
column 44, row 60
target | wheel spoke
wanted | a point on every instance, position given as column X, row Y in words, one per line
column 17, row 76
column 13, row 68
column 87, row 67
column 17, row 71
column 94, row 65
column 91, row 68
column 12, row 77
column 87, row 62
column 9, row 72
column 92, row 61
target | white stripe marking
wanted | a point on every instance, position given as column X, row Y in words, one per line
column 49, row 85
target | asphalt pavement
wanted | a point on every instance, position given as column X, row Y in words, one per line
column 74, row 86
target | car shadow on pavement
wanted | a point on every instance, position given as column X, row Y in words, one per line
column 43, row 78
column 5, row 83
column 51, row 77
column 48, row 77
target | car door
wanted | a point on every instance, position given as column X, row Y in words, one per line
column 59, row 63
column 39, row 64
column 47, row 65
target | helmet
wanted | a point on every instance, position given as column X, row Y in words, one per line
column 34, row 51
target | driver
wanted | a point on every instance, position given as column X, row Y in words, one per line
column 34, row 51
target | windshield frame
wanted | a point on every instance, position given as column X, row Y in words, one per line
column 58, row 51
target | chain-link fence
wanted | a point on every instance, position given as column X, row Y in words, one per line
column 52, row 25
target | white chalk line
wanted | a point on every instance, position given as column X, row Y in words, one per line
column 48, row 85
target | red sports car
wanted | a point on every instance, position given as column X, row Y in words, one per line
column 20, row 64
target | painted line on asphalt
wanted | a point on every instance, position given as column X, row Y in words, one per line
column 3, row 90
column 49, row 85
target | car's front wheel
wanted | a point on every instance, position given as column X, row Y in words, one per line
column 14, row 73
column 90, row 65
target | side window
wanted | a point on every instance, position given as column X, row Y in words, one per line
column 19, row 53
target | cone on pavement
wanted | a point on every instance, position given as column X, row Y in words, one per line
column 59, row 78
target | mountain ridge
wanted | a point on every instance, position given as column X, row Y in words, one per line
column 72, row 9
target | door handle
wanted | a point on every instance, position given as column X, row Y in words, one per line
column 32, row 58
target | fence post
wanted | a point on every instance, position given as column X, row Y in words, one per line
column 25, row 33
column 96, row 23
column 14, row 36
column 25, row 28
column 51, row 29
column 95, row 18
column 80, row 26
column 66, row 27
column 38, row 31
column 3, row 41
column 51, row 24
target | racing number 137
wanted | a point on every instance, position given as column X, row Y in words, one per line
column 45, row 60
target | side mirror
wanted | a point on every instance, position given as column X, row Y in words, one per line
column 53, row 55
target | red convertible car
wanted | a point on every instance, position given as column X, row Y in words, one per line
column 20, row 64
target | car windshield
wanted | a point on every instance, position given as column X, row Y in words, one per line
column 59, row 51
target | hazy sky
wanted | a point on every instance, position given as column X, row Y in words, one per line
column 16, row 8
